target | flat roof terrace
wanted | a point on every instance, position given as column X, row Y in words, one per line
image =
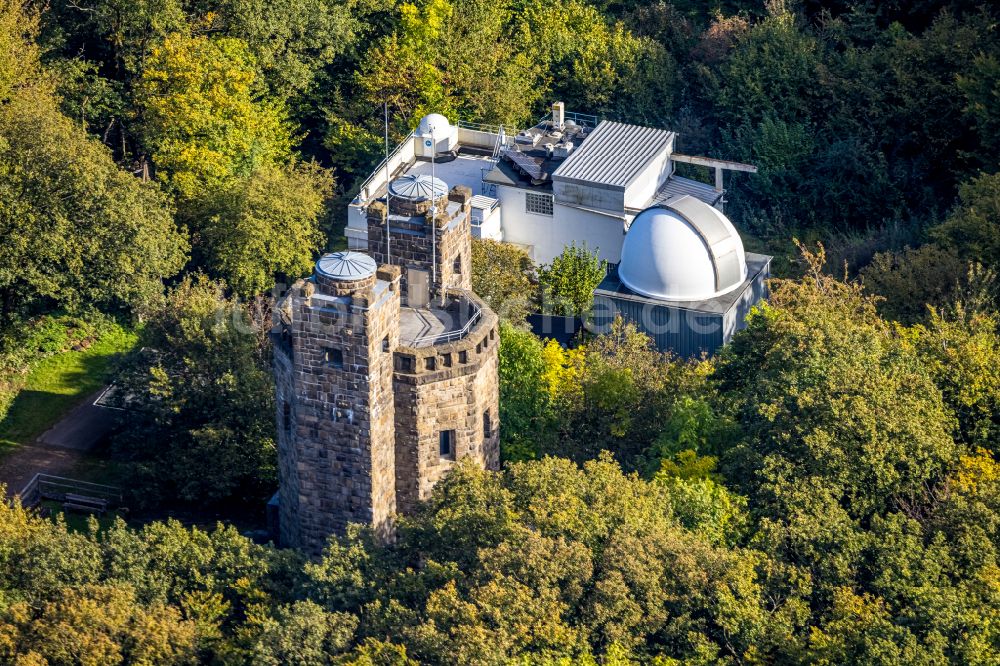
column 435, row 324
column 464, row 169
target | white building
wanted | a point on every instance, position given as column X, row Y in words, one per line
column 568, row 179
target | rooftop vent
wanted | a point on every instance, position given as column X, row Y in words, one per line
column 558, row 115
column 562, row 150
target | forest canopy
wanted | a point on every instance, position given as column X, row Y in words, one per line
column 825, row 490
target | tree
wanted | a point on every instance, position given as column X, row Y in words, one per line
column 597, row 64
column 224, row 148
column 914, row 279
column 961, row 351
column 205, row 116
column 97, row 625
column 825, row 392
column 981, row 87
column 568, row 283
column 303, row 634
column 524, row 404
column 973, row 228
column 502, row 276
column 291, row 40
column 200, row 419
column 78, row 230
column 591, row 555
column 267, row 225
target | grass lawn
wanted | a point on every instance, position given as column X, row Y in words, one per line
column 57, row 384
column 79, row 522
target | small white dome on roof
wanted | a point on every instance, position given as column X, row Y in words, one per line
column 685, row 250
column 346, row 266
column 418, row 187
column 434, row 125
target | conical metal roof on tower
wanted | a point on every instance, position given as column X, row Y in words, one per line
column 418, row 187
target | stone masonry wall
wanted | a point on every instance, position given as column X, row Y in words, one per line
column 337, row 462
column 460, row 395
column 411, row 244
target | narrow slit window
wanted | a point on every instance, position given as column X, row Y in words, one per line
column 446, row 443
column 335, row 358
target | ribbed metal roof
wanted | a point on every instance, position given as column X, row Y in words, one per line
column 613, row 154
column 346, row 266
column 678, row 186
column 484, row 202
column 418, row 187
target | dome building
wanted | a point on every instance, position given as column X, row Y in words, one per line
column 684, row 278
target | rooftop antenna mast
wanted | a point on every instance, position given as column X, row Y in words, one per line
column 433, row 207
column 388, row 192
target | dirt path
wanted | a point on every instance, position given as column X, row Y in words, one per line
column 17, row 468
column 60, row 448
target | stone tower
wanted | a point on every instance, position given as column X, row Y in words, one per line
column 386, row 376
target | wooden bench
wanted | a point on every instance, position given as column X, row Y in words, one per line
column 84, row 503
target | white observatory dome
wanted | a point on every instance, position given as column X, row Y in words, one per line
column 434, row 125
column 684, row 250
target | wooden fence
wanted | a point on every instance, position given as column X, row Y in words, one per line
column 48, row 487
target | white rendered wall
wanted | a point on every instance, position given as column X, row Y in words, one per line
column 644, row 186
column 547, row 235
column 468, row 136
column 490, row 226
column 357, row 220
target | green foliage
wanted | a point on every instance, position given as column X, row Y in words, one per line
column 524, row 403
column 200, row 423
column 225, row 149
column 915, row 278
column 613, row 393
column 598, row 65
column 973, row 228
column 824, row 391
column 291, row 40
column 826, row 492
column 959, row 265
column 58, row 382
column 961, row 351
column 205, row 117
column 502, row 276
column 981, row 86
column 303, row 634
column 83, row 230
column 570, row 563
column 266, row 225
column 568, row 283
column 78, row 230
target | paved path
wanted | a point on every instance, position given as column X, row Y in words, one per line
column 60, row 447
column 82, row 428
